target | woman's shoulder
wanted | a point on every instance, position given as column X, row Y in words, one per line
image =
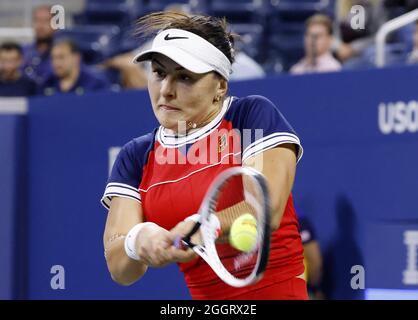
column 141, row 144
column 250, row 104
column 252, row 100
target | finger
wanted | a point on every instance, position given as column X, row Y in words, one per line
column 145, row 259
column 178, row 243
column 146, row 255
column 155, row 258
column 186, row 258
column 180, row 255
column 160, row 253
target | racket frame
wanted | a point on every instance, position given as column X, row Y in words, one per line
column 207, row 250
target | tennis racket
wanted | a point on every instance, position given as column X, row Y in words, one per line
column 234, row 192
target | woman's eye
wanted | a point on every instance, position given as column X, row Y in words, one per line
column 159, row 73
column 184, row 77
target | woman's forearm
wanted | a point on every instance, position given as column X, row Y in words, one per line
column 279, row 167
column 124, row 270
column 280, row 196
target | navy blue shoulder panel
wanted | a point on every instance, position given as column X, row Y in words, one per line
column 130, row 161
column 261, row 125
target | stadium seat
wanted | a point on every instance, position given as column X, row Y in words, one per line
column 273, row 62
column 289, row 46
column 114, row 78
column 238, row 11
column 117, row 12
column 285, row 39
column 251, row 38
column 301, row 9
column 96, row 42
column 161, row 5
column 128, row 42
column 395, row 54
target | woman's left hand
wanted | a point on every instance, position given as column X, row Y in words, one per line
column 180, row 230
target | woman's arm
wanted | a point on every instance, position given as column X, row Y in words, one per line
column 153, row 244
column 313, row 258
column 278, row 165
column 133, row 76
column 124, row 213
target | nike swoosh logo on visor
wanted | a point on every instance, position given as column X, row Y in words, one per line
column 167, row 37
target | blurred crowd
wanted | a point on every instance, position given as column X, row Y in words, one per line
column 54, row 64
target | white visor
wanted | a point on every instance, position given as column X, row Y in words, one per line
column 188, row 50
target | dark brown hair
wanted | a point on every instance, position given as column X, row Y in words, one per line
column 11, row 46
column 72, row 45
column 210, row 28
column 320, row 19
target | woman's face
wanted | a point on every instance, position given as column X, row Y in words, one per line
column 178, row 95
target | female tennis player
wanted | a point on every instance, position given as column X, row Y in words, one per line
column 160, row 179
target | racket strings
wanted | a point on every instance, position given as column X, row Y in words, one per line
column 237, row 192
column 229, row 215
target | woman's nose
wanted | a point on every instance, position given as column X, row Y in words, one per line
column 168, row 87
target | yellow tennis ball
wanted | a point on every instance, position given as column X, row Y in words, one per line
column 243, row 232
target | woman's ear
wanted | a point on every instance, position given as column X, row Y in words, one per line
column 222, row 89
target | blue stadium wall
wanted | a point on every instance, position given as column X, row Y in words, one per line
column 357, row 181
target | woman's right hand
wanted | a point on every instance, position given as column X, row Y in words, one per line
column 153, row 244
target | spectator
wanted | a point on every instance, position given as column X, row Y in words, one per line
column 37, row 64
column 246, row 68
column 312, row 258
column 136, row 75
column 318, row 42
column 407, row 5
column 69, row 74
column 13, row 82
column 132, row 76
column 413, row 57
column 351, row 43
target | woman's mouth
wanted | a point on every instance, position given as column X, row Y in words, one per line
column 166, row 107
